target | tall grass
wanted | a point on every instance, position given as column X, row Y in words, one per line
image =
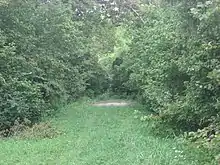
column 99, row 136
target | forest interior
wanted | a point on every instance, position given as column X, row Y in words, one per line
column 110, row 82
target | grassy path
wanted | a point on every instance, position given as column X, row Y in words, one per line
column 98, row 136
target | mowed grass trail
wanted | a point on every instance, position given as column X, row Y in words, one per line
column 98, row 136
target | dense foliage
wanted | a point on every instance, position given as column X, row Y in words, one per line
column 172, row 65
column 163, row 53
column 44, row 60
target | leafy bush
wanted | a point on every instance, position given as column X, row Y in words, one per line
column 208, row 138
column 20, row 100
column 40, row 131
column 25, row 130
column 44, row 60
column 173, row 68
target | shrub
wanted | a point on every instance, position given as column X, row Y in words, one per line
column 173, row 68
column 25, row 130
column 44, row 60
column 20, row 99
column 39, row 131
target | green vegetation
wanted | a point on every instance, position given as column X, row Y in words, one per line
column 99, row 135
column 172, row 67
column 45, row 61
column 163, row 54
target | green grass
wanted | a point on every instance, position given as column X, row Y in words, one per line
column 99, row 136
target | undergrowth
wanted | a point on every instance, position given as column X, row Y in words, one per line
column 98, row 135
column 37, row 131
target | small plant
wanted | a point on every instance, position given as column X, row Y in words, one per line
column 208, row 138
column 25, row 130
column 17, row 127
column 40, row 130
column 138, row 114
column 150, row 117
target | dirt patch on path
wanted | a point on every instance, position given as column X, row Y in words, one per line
column 117, row 103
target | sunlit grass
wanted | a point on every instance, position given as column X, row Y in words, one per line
column 99, row 136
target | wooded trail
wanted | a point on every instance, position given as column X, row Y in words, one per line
column 96, row 134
